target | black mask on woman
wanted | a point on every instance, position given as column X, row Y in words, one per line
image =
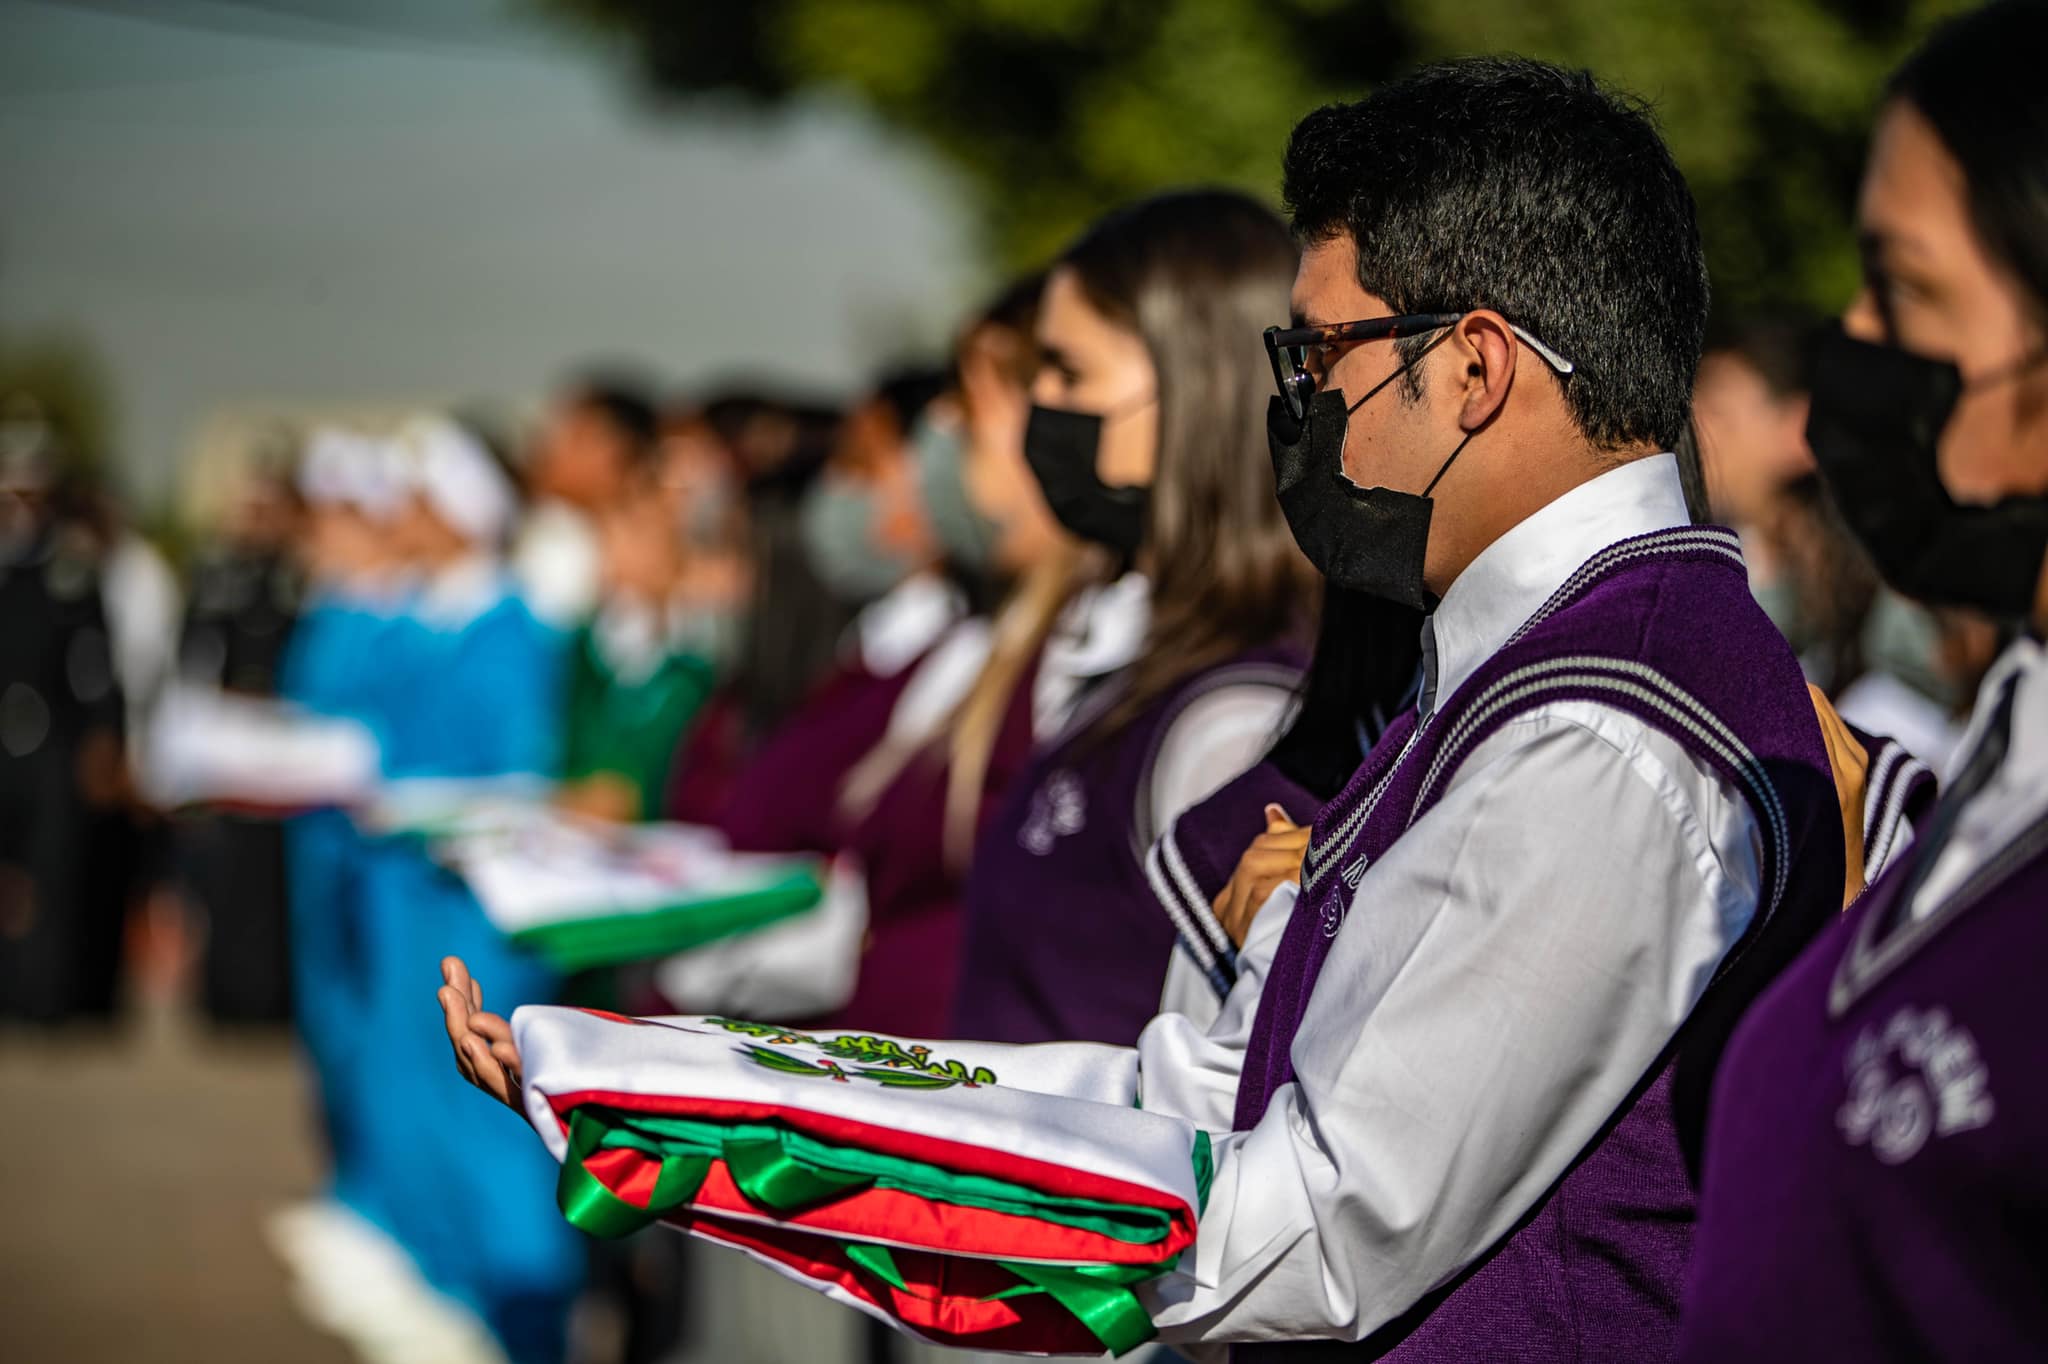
column 1875, row 425
column 1371, row 540
column 1061, row 447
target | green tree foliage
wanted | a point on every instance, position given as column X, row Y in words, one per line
column 60, row 380
column 1056, row 109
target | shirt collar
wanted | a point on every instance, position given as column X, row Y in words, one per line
column 895, row 629
column 1517, row 573
column 2024, row 667
column 1102, row 629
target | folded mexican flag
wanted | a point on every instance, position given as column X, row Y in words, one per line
column 972, row 1194
column 585, row 894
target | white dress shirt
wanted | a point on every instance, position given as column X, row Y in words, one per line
column 1516, row 963
column 2017, row 794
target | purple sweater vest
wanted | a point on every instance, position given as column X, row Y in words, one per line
column 1876, row 1186
column 1664, row 628
column 1065, row 939
column 1192, row 861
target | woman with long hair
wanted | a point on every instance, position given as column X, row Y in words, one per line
column 1173, row 677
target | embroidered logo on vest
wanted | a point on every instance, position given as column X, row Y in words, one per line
column 1058, row 807
column 1939, row 1087
column 1337, row 898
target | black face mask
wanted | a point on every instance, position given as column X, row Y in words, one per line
column 1876, row 421
column 1061, row 447
column 1371, row 540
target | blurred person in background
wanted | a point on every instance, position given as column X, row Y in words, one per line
column 1174, row 673
column 1873, row 1185
column 597, row 436
column 1890, row 666
column 245, row 589
column 425, row 639
column 473, row 688
column 62, row 766
column 703, row 485
column 870, row 542
column 895, row 759
column 127, row 853
column 795, row 622
column 644, row 665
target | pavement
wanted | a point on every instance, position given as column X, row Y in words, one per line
column 136, row 1170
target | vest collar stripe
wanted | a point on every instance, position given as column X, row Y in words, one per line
column 1191, row 892
column 1643, row 684
column 1176, row 910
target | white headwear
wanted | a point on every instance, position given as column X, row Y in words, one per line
column 457, row 476
column 351, row 469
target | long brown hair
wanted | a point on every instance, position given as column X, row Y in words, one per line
column 1198, row 275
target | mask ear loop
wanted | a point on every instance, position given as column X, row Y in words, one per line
column 1441, row 337
column 1446, row 468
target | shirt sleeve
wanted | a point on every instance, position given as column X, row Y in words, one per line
column 1508, row 972
column 1188, row 1065
column 1217, row 736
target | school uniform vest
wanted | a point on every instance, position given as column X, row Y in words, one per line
column 910, row 962
column 1876, row 1187
column 1065, row 940
column 1662, row 627
column 785, row 798
column 1898, row 793
column 1195, row 857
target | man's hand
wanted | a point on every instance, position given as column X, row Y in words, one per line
column 484, row 1052
column 1273, row 857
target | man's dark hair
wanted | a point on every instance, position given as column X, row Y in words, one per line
column 1506, row 183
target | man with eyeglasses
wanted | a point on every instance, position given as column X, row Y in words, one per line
column 1462, row 1055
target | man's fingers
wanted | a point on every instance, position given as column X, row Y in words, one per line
column 1277, row 819
column 1290, row 841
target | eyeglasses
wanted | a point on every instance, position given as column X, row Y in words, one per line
column 1288, row 348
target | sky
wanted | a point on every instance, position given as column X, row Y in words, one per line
column 308, row 204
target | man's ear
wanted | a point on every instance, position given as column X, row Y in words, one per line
column 1484, row 346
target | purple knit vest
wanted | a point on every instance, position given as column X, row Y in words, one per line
column 1875, row 1186
column 1193, row 860
column 1661, row 627
column 1065, row 941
